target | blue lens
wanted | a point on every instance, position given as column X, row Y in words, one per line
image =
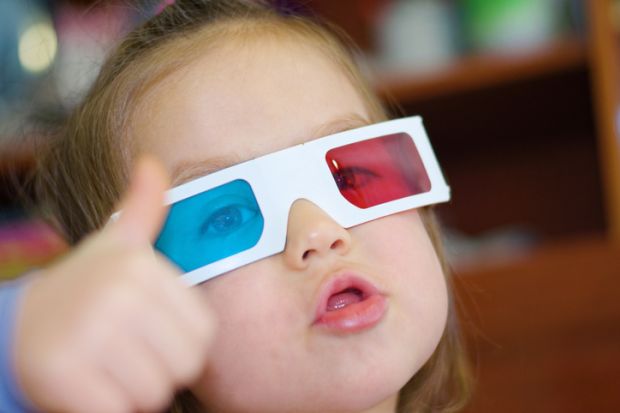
column 211, row 225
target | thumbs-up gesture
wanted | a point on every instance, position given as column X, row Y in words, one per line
column 112, row 328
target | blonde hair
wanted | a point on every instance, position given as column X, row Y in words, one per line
column 84, row 171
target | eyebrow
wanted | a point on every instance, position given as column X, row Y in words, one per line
column 348, row 122
column 185, row 171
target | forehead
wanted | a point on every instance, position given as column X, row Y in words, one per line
column 243, row 100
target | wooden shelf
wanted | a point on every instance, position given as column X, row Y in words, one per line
column 543, row 332
column 484, row 71
column 605, row 56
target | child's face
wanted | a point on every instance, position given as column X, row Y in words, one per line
column 239, row 102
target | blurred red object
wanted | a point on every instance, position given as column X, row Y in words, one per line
column 25, row 245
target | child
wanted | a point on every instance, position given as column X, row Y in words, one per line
column 339, row 319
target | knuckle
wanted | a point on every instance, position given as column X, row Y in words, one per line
column 56, row 364
column 119, row 301
column 155, row 395
column 186, row 368
column 98, row 402
column 138, row 267
column 117, row 404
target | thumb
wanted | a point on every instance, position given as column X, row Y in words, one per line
column 142, row 208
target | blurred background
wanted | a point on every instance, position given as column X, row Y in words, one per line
column 521, row 100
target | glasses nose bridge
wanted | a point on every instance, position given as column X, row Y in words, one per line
column 304, row 175
column 301, row 176
column 320, row 199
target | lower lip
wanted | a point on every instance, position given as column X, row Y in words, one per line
column 355, row 317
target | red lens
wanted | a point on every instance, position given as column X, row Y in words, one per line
column 378, row 170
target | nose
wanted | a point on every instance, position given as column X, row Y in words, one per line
column 312, row 235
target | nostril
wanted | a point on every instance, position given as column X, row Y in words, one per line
column 338, row 245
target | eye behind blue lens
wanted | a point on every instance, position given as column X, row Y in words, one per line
column 224, row 221
column 228, row 219
column 211, row 226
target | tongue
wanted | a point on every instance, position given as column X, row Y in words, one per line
column 343, row 299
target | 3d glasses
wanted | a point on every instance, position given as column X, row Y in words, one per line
column 239, row 215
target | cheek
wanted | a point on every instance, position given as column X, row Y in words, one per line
column 400, row 246
column 256, row 317
column 247, row 301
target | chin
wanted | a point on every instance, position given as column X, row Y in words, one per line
column 362, row 391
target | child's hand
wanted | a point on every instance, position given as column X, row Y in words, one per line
column 112, row 328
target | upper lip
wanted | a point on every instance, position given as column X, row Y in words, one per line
column 340, row 282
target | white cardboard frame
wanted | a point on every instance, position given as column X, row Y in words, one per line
column 297, row 176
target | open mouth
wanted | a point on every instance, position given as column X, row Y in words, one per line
column 344, row 298
column 349, row 304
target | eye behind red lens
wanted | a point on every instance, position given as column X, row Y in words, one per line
column 378, row 170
